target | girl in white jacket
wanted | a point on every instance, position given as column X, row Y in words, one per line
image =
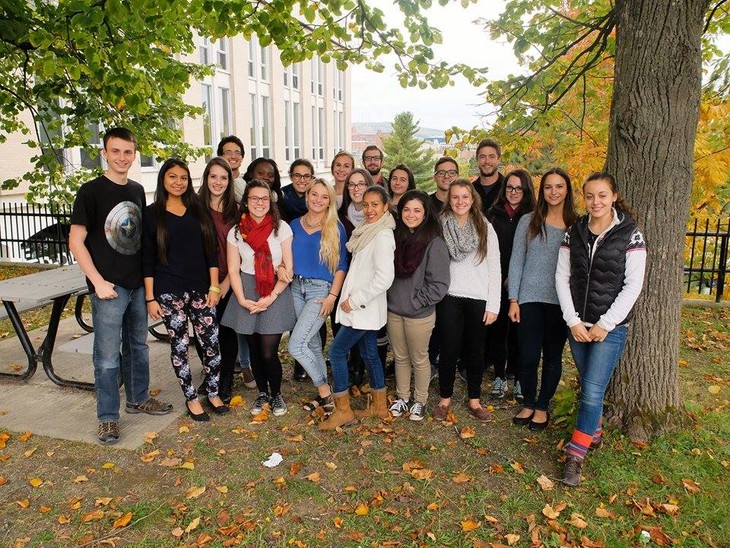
column 363, row 307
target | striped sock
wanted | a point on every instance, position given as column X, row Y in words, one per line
column 578, row 444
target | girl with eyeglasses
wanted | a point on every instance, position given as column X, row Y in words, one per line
column 515, row 200
column 294, row 204
column 534, row 305
column 263, row 308
column 180, row 268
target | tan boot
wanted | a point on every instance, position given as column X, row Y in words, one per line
column 377, row 406
column 342, row 416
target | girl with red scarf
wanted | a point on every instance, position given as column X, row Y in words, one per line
column 263, row 308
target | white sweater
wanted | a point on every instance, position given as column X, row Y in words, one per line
column 370, row 275
column 480, row 281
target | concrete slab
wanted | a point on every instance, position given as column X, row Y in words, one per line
column 47, row 409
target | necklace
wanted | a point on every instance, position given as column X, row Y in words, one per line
column 308, row 225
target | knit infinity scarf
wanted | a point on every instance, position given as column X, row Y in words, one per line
column 365, row 232
column 256, row 235
column 461, row 241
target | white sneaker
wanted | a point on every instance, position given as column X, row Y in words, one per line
column 499, row 388
column 258, row 404
column 278, row 406
column 417, row 411
column 399, row 407
column 517, row 392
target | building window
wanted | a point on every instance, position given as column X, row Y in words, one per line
column 222, row 53
column 207, row 105
column 297, row 129
column 91, row 161
column 254, row 126
column 252, row 47
column 291, row 76
column 265, row 128
column 292, row 125
column 204, row 51
column 339, row 131
column 318, row 133
column 317, row 76
column 225, row 112
column 338, row 90
column 265, row 61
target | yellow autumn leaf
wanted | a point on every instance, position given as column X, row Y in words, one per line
column 690, row 485
column 63, row 519
column 149, row 437
column 338, row 521
column 29, row 452
column 44, row 509
column 281, row 509
column 432, row 506
column 189, row 465
column 298, row 438
column 362, row 509
column 671, row 509
column 183, row 429
column 4, row 437
column 123, row 521
column 314, row 477
column 3, row 481
column 518, row 467
column 467, row 432
column 422, row 474
column 23, row 503
column 94, row 515
column 35, row 482
column 511, row 539
column 149, row 457
column 107, row 466
column 549, row 512
column 193, row 525
column 102, row 501
column 330, row 465
column 577, row 520
column 25, row 436
column 236, row 401
column 714, row 389
column 602, row 512
column 221, row 488
column 177, row 532
column 195, row 492
column 461, row 478
column 546, row 484
column 470, row 524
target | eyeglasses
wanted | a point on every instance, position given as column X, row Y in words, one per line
column 357, row 185
column 514, row 189
column 232, row 153
column 371, row 158
column 259, row 199
column 445, row 172
column 300, row 176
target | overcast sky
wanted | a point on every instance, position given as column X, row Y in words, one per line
column 379, row 97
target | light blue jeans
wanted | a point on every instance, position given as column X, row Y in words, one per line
column 367, row 341
column 120, row 324
column 596, row 362
column 305, row 344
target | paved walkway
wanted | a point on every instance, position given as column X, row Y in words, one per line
column 47, row 409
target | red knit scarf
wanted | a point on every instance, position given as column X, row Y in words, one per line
column 256, row 235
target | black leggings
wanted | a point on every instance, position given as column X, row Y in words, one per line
column 265, row 362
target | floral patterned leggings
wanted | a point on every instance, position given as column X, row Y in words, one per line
column 176, row 310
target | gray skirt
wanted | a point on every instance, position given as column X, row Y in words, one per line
column 278, row 318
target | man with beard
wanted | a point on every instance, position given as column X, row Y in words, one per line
column 372, row 160
column 490, row 180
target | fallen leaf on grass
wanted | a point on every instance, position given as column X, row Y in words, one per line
column 338, row 521
column 362, row 509
column 149, row 457
column 35, row 482
column 107, row 466
column 123, row 521
column 671, row 509
column 470, row 524
column 102, row 501
column 193, row 525
column 222, row 489
column 511, row 539
column 602, row 512
column 714, row 389
column 577, row 520
column 550, row 512
column 23, row 503
column 187, row 465
column 170, row 461
column 314, row 477
column 183, row 429
column 298, row 438
column 518, row 467
column 149, row 437
column 236, row 401
column 496, row 469
column 422, row 474
column 295, row 468
column 63, row 519
column 432, row 506
column 412, row 465
column 461, row 478
column 330, row 465
column 25, row 436
column 195, row 492
column 94, row 515
column 3, row 481
column 467, row 432
column 690, row 485
column 546, row 484
column 450, row 419
column 659, row 537
column 281, row 509
column 177, row 532
column 29, row 452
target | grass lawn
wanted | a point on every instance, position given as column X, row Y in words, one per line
column 398, row 483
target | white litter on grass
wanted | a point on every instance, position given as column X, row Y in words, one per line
column 274, row 460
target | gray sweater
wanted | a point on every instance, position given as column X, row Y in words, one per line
column 417, row 296
column 533, row 263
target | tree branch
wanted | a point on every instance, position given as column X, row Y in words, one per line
column 711, row 15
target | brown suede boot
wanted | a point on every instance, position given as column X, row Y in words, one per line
column 342, row 416
column 377, row 406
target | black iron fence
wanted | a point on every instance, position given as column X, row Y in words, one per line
column 706, row 261
column 33, row 233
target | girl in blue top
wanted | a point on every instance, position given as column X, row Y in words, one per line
column 320, row 262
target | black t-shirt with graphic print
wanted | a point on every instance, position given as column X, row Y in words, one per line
column 112, row 215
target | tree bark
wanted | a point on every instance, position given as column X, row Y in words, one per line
column 654, row 114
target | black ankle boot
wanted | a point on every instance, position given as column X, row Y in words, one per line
column 300, row 375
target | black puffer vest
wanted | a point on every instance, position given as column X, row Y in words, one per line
column 596, row 281
column 505, row 229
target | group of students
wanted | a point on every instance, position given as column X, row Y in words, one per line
column 448, row 275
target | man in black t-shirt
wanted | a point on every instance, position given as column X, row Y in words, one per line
column 490, row 180
column 106, row 226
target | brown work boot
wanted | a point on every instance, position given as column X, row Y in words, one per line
column 572, row 471
column 377, row 406
column 342, row 415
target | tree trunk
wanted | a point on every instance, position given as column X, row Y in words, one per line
column 654, row 114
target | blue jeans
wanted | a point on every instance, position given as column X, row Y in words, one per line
column 244, row 355
column 120, row 324
column 367, row 341
column 596, row 362
column 305, row 344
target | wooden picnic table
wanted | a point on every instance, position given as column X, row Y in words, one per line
column 54, row 286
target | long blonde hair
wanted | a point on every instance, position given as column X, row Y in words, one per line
column 329, row 247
